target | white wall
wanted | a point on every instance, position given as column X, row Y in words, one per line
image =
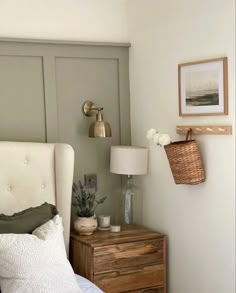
column 83, row 20
column 199, row 220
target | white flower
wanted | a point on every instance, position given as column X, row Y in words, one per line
column 156, row 137
column 161, row 139
column 164, row 139
column 150, row 133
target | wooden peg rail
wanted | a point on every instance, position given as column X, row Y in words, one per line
column 212, row 129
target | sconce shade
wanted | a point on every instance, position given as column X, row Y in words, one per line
column 100, row 128
column 128, row 160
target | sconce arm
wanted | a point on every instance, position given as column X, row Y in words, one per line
column 90, row 109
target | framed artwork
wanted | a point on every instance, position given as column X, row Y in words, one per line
column 203, row 88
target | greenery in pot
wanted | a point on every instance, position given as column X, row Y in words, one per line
column 85, row 201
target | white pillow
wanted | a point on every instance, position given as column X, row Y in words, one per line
column 36, row 263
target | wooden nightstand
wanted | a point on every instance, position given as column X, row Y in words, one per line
column 133, row 260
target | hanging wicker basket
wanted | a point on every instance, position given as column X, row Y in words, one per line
column 185, row 161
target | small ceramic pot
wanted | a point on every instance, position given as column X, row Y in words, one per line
column 85, row 226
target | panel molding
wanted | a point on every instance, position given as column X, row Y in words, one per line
column 125, row 127
column 67, row 42
column 50, row 98
column 49, row 50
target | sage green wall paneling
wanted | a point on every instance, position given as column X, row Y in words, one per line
column 49, row 92
column 79, row 79
column 22, row 110
column 50, row 98
column 124, row 99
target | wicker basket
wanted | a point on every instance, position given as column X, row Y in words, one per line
column 185, row 161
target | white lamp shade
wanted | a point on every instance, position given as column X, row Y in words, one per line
column 128, row 160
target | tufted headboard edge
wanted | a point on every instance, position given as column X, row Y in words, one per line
column 34, row 173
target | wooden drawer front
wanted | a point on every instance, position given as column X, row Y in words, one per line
column 131, row 279
column 109, row 258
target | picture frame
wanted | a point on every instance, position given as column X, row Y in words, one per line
column 203, row 87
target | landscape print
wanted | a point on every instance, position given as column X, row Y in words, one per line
column 202, row 88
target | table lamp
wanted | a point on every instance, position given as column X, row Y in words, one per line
column 128, row 160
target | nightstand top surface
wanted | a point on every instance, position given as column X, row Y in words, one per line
column 128, row 233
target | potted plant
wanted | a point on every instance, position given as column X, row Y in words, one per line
column 84, row 199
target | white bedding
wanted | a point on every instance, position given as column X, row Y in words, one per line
column 87, row 286
column 37, row 260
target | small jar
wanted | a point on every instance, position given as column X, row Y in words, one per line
column 103, row 221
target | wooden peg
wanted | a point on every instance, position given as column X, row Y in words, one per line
column 211, row 129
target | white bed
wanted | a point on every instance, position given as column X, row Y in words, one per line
column 34, row 173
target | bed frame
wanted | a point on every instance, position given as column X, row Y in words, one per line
column 34, row 173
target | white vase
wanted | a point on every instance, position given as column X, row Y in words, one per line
column 85, row 226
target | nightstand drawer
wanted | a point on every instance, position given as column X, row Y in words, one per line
column 131, row 279
column 110, row 258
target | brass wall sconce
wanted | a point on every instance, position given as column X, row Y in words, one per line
column 99, row 128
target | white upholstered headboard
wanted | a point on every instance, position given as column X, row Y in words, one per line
column 34, row 173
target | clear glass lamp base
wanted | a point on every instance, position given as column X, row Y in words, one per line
column 128, row 201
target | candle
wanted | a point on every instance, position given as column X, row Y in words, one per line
column 115, row 228
column 104, row 221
